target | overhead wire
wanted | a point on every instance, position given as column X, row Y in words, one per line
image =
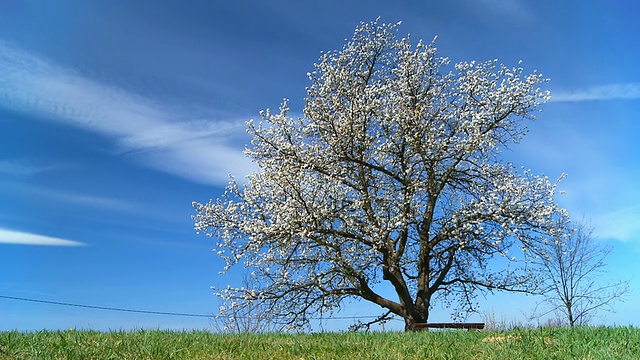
column 109, row 308
column 102, row 307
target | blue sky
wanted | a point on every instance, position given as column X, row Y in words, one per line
column 116, row 115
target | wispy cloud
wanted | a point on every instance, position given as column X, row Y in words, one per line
column 609, row 201
column 25, row 238
column 620, row 224
column 86, row 200
column 66, row 197
column 599, row 93
column 600, row 186
column 513, row 10
column 22, row 167
column 166, row 137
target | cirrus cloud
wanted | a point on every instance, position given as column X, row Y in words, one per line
column 627, row 91
column 168, row 137
column 25, row 238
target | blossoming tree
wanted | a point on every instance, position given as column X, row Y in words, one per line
column 392, row 176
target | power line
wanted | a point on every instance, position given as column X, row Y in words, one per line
column 95, row 307
column 103, row 307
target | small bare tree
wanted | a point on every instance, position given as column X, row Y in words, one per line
column 571, row 268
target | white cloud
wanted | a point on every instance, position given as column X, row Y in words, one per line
column 22, row 167
column 621, row 224
column 24, row 238
column 167, row 138
column 86, row 200
column 600, row 186
column 606, row 196
column 602, row 92
column 59, row 196
column 514, row 10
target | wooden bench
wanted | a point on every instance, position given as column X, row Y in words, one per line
column 468, row 326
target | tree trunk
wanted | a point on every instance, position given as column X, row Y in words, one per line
column 409, row 325
column 572, row 321
column 410, row 321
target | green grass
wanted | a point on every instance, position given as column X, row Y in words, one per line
column 580, row 343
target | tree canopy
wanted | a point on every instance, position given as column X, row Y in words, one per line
column 392, row 176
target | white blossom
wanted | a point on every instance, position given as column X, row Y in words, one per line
column 392, row 175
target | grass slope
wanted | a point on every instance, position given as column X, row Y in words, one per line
column 580, row 343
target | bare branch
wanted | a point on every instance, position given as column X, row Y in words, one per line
column 572, row 266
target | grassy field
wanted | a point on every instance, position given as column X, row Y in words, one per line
column 581, row 343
